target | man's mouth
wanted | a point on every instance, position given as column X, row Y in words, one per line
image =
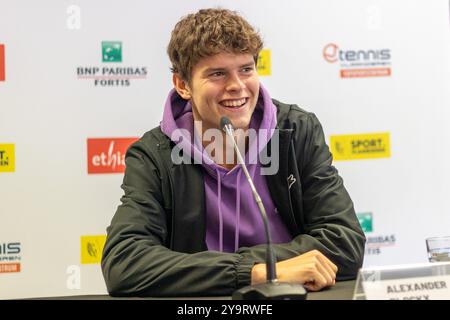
column 234, row 103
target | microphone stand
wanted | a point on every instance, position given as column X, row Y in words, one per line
column 272, row 289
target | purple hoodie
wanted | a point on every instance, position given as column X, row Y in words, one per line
column 232, row 215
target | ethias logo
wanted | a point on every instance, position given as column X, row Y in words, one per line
column 107, row 155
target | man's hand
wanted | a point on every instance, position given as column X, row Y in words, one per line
column 312, row 269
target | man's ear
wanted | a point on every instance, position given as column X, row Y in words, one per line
column 181, row 86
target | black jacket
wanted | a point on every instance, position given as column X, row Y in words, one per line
column 156, row 241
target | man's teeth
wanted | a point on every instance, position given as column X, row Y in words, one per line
column 234, row 103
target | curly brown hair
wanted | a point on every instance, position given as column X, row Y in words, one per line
column 209, row 32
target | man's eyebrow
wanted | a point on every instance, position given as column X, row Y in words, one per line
column 250, row 64
column 208, row 70
column 213, row 70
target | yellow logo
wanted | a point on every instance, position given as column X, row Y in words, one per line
column 92, row 248
column 263, row 65
column 360, row 146
column 7, row 158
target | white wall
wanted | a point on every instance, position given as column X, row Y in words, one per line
column 50, row 200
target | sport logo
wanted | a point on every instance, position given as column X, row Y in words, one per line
column 92, row 248
column 7, row 158
column 107, row 155
column 111, row 51
column 264, row 64
column 360, row 146
column 359, row 63
column 2, row 62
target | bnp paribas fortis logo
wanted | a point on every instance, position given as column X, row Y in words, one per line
column 111, row 51
column 360, row 146
column 375, row 243
column 264, row 63
column 7, row 158
column 92, row 248
column 112, row 73
column 365, row 220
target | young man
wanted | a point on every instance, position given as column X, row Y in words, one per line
column 192, row 227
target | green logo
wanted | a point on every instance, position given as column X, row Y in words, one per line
column 365, row 220
column 111, row 51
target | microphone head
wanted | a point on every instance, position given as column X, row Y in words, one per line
column 224, row 121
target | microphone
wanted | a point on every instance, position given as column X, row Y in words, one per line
column 272, row 289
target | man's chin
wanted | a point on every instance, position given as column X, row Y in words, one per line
column 239, row 123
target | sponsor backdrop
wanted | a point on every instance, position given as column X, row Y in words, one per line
column 81, row 80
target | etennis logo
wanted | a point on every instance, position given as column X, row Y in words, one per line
column 92, row 248
column 359, row 63
column 360, row 146
column 7, row 158
column 9, row 267
column 10, row 257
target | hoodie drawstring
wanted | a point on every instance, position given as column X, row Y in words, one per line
column 238, row 209
column 219, row 191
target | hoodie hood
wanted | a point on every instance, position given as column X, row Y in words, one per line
column 178, row 125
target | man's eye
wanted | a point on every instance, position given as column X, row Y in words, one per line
column 247, row 69
column 217, row 74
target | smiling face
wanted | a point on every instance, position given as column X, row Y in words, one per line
column 225, row 84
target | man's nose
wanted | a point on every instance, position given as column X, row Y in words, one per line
column 235, row 83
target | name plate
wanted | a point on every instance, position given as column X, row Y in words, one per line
column 430, row 281
column 423, row 288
